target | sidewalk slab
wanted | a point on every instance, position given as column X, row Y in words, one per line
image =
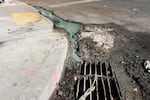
column 32, row 55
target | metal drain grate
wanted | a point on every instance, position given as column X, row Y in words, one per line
column 106, row 86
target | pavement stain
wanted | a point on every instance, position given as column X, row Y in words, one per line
column 1, row 43
column 31, row 71
column 22, row 30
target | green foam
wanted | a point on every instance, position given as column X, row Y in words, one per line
column 70, row 27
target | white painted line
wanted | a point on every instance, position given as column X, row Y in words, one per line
column 72, row 3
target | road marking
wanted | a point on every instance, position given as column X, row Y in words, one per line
column 72, row 3
column 24, row 18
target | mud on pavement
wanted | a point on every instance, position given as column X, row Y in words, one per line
column 125, row 50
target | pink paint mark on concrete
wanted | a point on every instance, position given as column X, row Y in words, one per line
column 30, row 71
column 56, row 77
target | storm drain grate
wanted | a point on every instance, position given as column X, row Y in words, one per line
column 102, row 78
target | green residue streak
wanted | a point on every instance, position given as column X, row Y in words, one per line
column 70, row 27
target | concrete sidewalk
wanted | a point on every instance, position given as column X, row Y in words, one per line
column 31, row 54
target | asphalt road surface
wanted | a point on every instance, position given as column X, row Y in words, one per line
column 132, row 14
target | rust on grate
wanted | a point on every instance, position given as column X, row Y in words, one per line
column 106, row 85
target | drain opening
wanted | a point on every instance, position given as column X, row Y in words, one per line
column 106, row 86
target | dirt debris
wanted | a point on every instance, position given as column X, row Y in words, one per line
column 128, row 52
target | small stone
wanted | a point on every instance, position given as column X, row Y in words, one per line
column 132, row 38
column 131, row 62
column 105, row 6
column 123, row 62
column 57, row 87
column 14, row 84
column 134, row 9
column 60, row 93
column 63, row 82
column 134, row 82
column 135, row 89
